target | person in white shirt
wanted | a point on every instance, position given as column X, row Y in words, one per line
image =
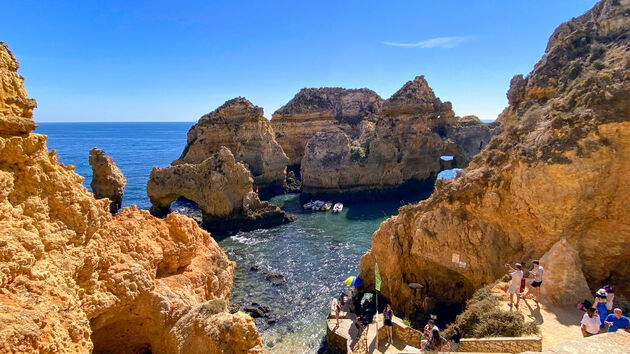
column 590, row 323
column 515, row 283
column 537, row 272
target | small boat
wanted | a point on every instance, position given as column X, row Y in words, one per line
column 308, row 205
column 337, row 208
column 317, row 205
column 327, row 206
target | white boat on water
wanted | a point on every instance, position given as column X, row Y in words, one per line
column 308, row 205
column 337, row 208
column 317, row 205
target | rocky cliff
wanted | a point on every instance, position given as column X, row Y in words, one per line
column 74, row 278
column 107, row 179
column 221, row 187
column 558, row 169
column 241, row 127
column 330, row 109
column 397, row 150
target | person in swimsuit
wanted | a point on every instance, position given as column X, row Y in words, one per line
column 387, row 322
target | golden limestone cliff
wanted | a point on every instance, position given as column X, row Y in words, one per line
column 326, row 109
column 241, row 127
column 398, row 150
column 558, row 170
column 74, row 278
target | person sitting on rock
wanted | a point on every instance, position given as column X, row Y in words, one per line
column 515, row 284
column 455, row 338
column 435, row 341
column 537, row 272
column 590, row 323
column 617, row 321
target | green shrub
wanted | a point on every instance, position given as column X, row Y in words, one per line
column 484, row 318
column 358, row 152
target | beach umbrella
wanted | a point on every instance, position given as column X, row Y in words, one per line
column 353, row 281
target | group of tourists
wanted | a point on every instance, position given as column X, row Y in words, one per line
column 518, row 282
column 435, row 342
column 601, row 314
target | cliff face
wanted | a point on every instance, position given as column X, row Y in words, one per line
column 321, row 110
column 241, row 127
column 107, row 179
column 558, row 169
column 73, row 278
column 221, row 187
column 400, row 148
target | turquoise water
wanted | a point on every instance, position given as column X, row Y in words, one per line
column 316, row 253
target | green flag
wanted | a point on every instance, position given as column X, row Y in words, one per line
column 377, row 276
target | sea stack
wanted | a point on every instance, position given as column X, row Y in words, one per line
column 76, row 279
column 241, row 127
column 221, row 187
column 396, row 151
column 107, row 179
column 557, row 170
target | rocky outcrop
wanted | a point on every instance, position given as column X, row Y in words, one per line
column 74, row 278
column 399, row 150
column 329, row 109
column 221, row 187
column 241, row 127
column 563, row 277
column 558, row 169
column 469, row 135
column 107, row 179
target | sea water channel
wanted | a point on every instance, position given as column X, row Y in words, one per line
column 315, row 254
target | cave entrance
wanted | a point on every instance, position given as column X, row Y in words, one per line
column 187, row 207
column 125, row 335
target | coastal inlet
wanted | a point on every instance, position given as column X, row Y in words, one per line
column 314, row 254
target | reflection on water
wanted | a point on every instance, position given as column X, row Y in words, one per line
column 316, row 253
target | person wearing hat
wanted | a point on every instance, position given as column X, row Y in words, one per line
column 601, row 298
column 515, row 283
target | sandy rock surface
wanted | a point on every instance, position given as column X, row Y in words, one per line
column 558, row 169
column 74, row 278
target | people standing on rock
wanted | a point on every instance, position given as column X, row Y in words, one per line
column 515, row 284
column 610, row 297
column 455, row 337
column 601, row 297
column 337, row 312
column 617, row 320
column 590, row 322
column 537, row 273
column 388, row 314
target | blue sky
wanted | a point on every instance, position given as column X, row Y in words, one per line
column 175, row 61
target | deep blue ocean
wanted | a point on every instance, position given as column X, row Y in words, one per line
column 316, row 253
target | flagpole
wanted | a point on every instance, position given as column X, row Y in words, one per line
column 376, row 294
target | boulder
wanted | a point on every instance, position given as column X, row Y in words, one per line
column 563, row 280
column 107, row 179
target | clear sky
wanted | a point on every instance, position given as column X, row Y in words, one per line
column 176, row 60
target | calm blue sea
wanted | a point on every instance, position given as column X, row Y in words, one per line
column 316, row 253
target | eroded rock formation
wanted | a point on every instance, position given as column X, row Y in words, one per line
column 397, row 150
column 74, row 278
column 221, row 187
column 241, row 127
column 330, row 109
column 107, row 179
column 558, row 169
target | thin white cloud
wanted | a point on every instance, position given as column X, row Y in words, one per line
column 439, row 42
